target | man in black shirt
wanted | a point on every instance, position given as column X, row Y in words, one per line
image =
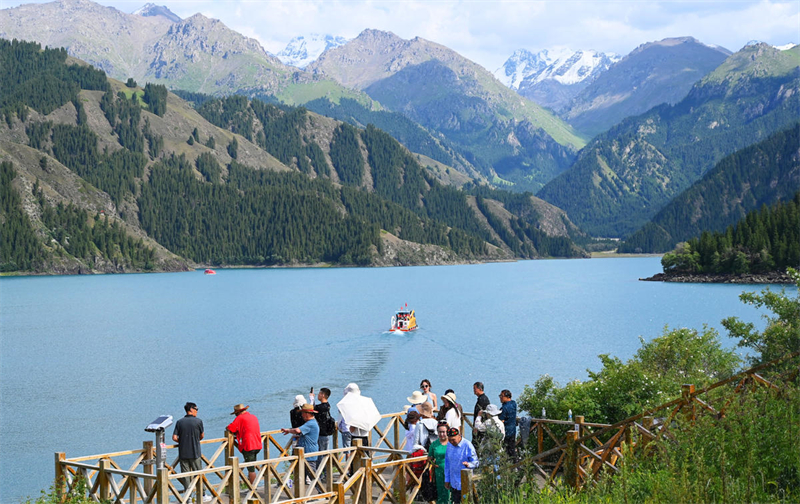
column 480, row 405
column 188, row 433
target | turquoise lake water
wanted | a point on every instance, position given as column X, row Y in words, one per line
column 87, row 362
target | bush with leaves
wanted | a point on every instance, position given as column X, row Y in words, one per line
column 654, row 375
column 782, row 333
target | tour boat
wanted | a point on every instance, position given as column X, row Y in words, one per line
column 404, row 320
column 209, row 271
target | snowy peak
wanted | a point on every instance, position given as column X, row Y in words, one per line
column 150, row 9
column 559, row 64
column 302, row 50
column 785, row 47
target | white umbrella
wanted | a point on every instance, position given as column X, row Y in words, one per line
column 359, row 411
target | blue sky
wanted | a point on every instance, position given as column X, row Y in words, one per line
column 489, row 31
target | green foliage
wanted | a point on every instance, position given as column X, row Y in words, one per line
column 155, row 142
column 404, row 130
column 211, row 143
column 155, row 96
column 742, row 182
column 233, row 148
column 20, row 248
column 653, row 376
column 765, row 240
column 94, row 239
column 41, row 79
column 123, row 115
column 207, row 164
column 115, row 172
column 257, row 218
column 131, row 83
column 749, row 455
column 626, row 175
column 782, row 333
column 346, row 155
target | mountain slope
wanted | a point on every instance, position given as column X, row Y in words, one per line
column 498, row 131
column 553, row 77
column 653, row 73
column 758, row 175
column 302, row 50
column 630, row 172
column 118, row 178
column 195, row 54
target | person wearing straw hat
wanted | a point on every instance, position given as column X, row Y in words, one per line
column 248, row 436
column 307, row 434
column 451, row 410
column 416, row 399
column 488, row 421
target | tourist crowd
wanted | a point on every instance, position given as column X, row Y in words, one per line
column 440, row 437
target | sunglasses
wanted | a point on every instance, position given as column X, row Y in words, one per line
column 425, row 386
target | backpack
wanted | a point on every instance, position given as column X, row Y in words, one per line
column 430, row 438
column 418, row 467
column 327, row 425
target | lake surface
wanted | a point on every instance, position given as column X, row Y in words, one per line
column 86, row 362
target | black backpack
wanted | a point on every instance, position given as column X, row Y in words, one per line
column 327, row 425
column 430, row 438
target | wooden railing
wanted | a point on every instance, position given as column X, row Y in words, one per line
column 381, row 472
column 353, row 473
column 587, row 450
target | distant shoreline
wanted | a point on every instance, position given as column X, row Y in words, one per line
column 772, row 277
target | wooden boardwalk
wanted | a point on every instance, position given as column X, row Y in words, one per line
column 577, row 453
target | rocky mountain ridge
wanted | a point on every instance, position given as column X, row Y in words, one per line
column 552, row 77
column 653, row 73
column 305, row 49
column 627, row 174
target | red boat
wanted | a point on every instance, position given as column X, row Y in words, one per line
column 209, row 271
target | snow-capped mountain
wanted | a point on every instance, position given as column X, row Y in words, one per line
column 785, row 47
column 561, row 64
column 552, row 77
column 151, row 9
column 302, row 50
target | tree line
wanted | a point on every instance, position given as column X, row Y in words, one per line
column 765, row 240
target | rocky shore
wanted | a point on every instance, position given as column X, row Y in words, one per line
column 773, row 277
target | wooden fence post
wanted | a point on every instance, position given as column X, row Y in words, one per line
column 540, row 437
column 400, row 484
column 299, row 472
column 60, row 482
column 396, row 446
column 466, row 485
column 571, row 464
column 233, row 484
column 329, row 472
column 229, row 447
column 340, row 495
column 687, row 392
column 162, row 486
column 367, row 464
column 148, row 465
column 102, row 479
column 579, row 425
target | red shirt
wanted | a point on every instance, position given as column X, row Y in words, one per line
column 248, row 433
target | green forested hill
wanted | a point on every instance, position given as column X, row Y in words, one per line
column 746, row 180
column 109, row 177
column 765, row 240
column 626, row 175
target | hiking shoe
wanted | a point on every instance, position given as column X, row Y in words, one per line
column 206, row 498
